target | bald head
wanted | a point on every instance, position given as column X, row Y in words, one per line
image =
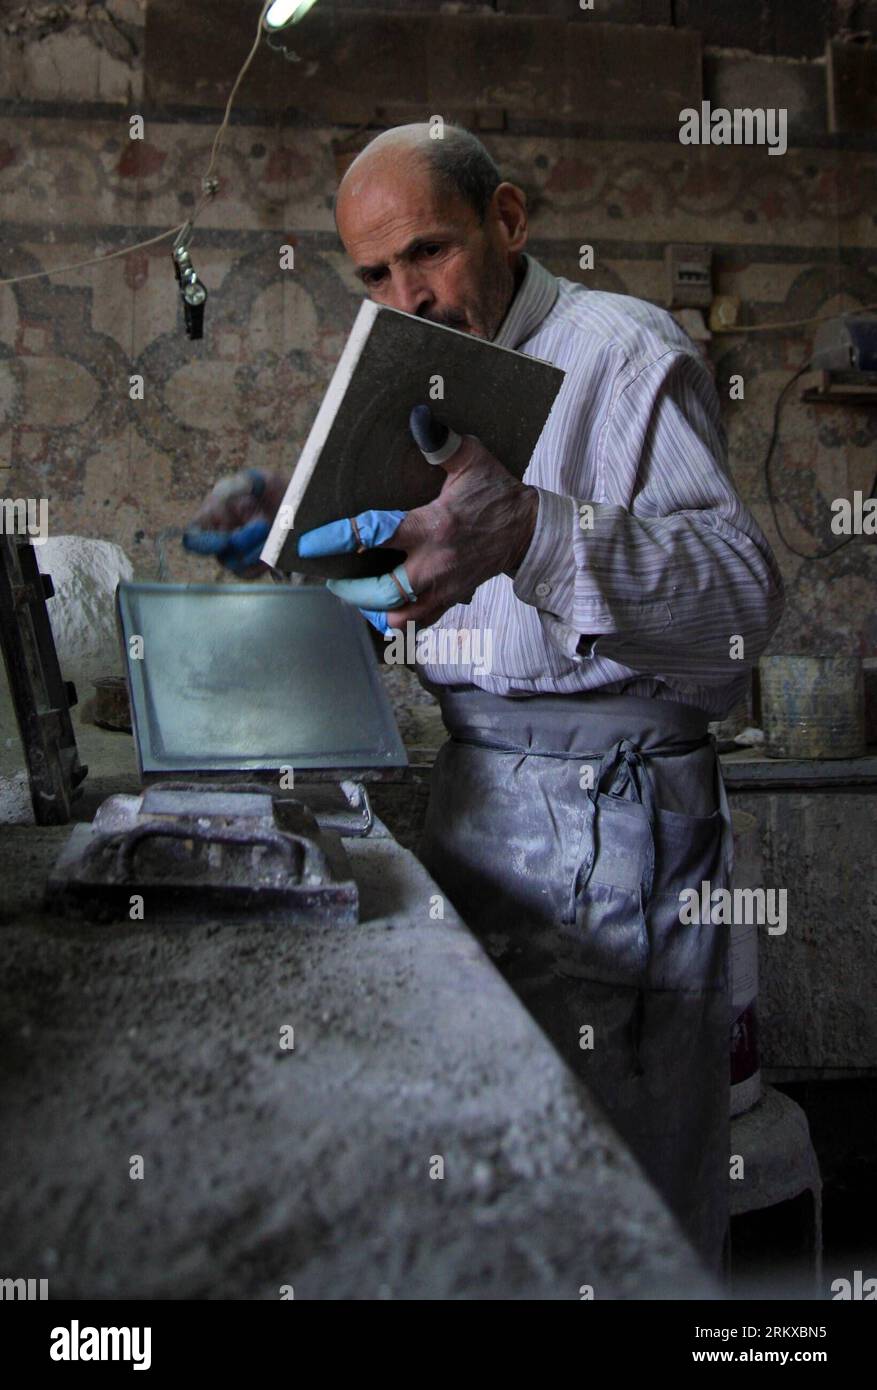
column 456, row 161
column 431, row 226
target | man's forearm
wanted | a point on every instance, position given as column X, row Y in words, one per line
column 660, row 594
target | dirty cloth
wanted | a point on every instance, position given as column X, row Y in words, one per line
column 563, row 829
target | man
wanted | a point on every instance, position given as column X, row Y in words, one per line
column 627, row 591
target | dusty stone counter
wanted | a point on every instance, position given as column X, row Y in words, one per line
column 309, row 1167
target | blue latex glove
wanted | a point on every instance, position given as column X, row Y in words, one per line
column 236, row 550
column 375, row 596
column 372, row 596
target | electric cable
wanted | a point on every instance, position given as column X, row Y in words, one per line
column 95, row 260
column 220, row 134
column 209, row 183
column 793, row 323
column 803, row 555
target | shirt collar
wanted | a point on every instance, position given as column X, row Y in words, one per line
column 535, row 297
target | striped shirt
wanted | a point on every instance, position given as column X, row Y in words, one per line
column 645, row 573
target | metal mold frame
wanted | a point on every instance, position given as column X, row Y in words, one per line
column 250, row 678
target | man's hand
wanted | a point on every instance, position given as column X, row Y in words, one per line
column 234, row 519
column 480, row 525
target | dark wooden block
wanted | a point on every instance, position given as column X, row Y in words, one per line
column 360, row 454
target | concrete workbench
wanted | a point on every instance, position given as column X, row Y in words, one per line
column 310, row 1168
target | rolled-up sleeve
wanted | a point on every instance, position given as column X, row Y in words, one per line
column 665, row 571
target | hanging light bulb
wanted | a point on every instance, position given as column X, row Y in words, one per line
column 285, row 12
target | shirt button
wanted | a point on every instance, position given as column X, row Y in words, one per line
column 543, row 590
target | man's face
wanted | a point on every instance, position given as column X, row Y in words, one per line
column 421, row 250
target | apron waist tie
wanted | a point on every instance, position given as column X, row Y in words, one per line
column 626, row 755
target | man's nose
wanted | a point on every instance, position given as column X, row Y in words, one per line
column 410, row 291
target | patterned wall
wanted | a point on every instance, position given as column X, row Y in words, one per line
column 794, row 236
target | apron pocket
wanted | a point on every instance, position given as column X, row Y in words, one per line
column 608, row 942
column 691, row 956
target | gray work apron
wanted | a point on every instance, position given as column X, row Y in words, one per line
column 563, row 829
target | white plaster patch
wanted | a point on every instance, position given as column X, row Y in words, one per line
column 82, row 613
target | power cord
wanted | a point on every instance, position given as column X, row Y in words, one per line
column 790, row 323
column 209, row 184
column 803, row 555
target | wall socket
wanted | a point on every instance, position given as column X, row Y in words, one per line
column 689, row 270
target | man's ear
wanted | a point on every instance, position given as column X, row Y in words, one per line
column 510, row 211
